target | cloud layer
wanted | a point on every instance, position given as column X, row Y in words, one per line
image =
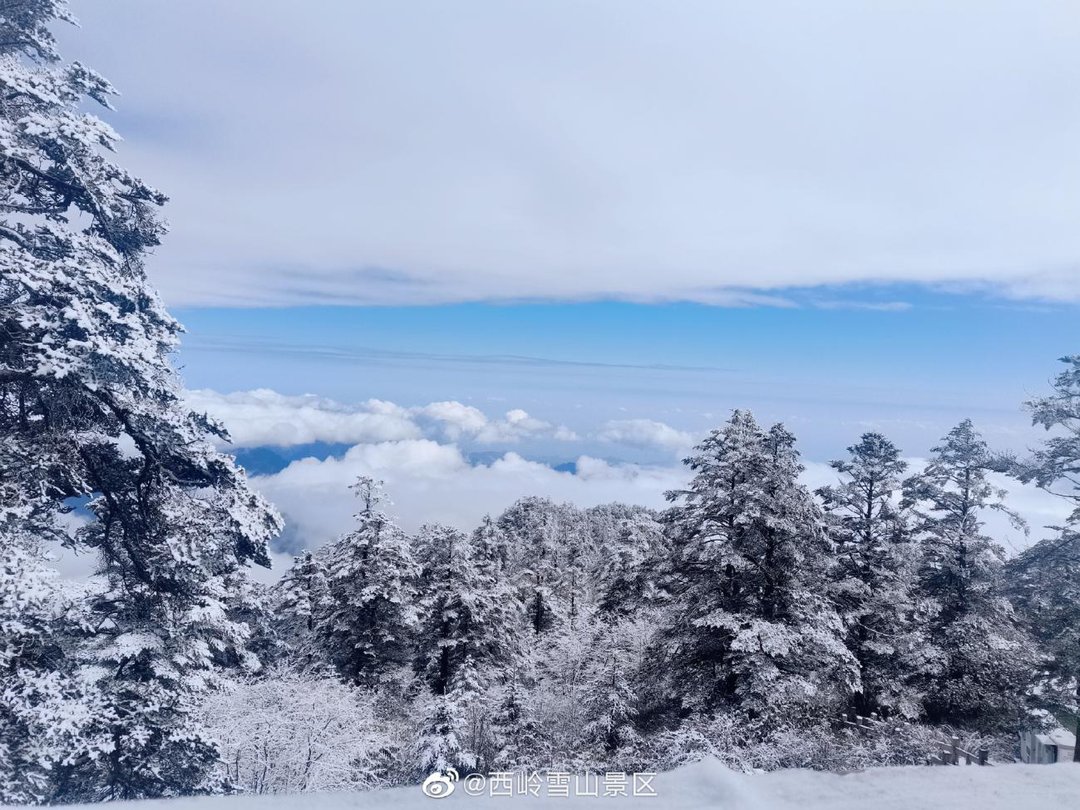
column 425, row 454
column 724, row 153
column 266, row 418
column 645, row 433
column 432, row 482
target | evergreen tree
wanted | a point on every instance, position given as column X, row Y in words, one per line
column 1044, row 584
column 978, row 662
column 470, row 633
column 442, row 745
column 498, row 607
column 49, row 720
column 627, row 572
column 750, row 626
column 517, row 739
column 1055, row 467
column 302, row 601
column 371, row 604
column 491, row 549
column 45, row 713
column 251, row 603
column 90, row 409
column 874, row 571
column 533, row 526
column 575, row 590
column 609, row 736
column 467, row 613
column 1045, row 579
column 559, row 662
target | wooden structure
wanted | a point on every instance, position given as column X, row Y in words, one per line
column 1047, row 747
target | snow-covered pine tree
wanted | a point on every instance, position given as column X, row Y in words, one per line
column 518, row 741
column 49, row 719
column 750, row 626
column 534, row 529
column 491, row 549
column 978, row 661
column 251, row 603
column 875, row 565
column 611, row 685
column 626, row 579
column 464, row 616
column 1044, row 585
column 497, row 605
column 301, row 599
column 440, row 745
column 576, row 588
column 90, row 409
column 470, row 633
column 558, row 661
column 1044, row 581
column 371, row 576
column 46, row 717
column 1055, row 466
column 471, row 630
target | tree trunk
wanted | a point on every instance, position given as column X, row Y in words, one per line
column 1076, row 742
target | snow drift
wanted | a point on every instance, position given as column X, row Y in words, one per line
column 708, row 785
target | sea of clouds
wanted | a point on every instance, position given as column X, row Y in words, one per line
column 428, row 458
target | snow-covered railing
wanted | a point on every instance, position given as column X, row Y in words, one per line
column 949, row 754
column 866, row 722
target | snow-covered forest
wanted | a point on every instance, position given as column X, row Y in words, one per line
column 747, row 622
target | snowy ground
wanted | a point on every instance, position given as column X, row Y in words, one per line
column 710, row 785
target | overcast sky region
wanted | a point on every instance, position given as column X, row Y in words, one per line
column 389, row 152
column 491, row 249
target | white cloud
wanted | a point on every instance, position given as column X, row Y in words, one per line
column 645, row 433
column 421, row 454
column 431, row 482
column 457, row 421
column 265, row 417
column 719, row 152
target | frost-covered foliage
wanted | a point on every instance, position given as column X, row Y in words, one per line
column 302, row 601
column 1056, row 465
column 873, row 580
column 744, row 623
column 50, row 722
column 467, row 673
column 469, row 634
column 90, row 410
column 610, row 693
column 1044, row 581
column 752, row 629
column 740, row 623
column 370, row 609
column 977, row 661
column 820, row 746
column 288, row 732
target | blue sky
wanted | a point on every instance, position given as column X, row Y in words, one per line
column 912, row 372
column 614, row 393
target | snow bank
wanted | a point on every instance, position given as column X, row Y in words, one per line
column 708, row 785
